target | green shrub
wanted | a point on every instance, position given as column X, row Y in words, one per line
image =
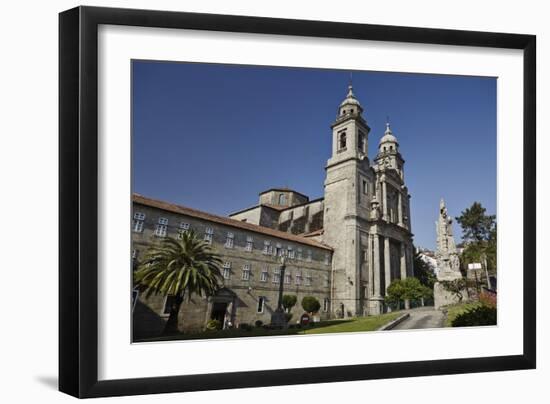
column 481, row 315
column 258, row 323
column 311, row 304
column 213, row 325
column 289, row 301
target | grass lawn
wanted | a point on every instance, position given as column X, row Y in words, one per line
column 355, row 324
column 455, row 310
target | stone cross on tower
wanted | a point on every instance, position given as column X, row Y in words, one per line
column 447, row 256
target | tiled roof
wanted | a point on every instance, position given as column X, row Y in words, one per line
column 155, row 203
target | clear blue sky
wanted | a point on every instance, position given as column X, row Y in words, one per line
column 212, row 137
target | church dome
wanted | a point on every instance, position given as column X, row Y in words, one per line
column 350, row 99
column 388, row 136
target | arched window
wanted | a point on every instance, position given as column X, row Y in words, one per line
column 342, row 143
column 282, row 199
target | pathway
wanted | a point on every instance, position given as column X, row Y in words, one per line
column 422, row 317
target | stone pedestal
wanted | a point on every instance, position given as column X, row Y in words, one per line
column 278, row 319
column 376, row 306
column 442, row 297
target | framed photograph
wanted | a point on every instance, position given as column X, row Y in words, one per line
column 250, row 201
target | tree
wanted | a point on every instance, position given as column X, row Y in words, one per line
column 310, row 304
column 289, row 301
column 423, row 271
column 406, row 289
column 479, row 232
column 395, row 292
column 476, row 225
column 178, row 268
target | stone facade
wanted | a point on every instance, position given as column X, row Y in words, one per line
column 251, row 256
column 351, row 243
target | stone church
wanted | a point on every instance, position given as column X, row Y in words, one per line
column 344, row 248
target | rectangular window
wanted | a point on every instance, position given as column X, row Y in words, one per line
column 325, row 281
column 168, row 302
column 290, row 252
column 308, row 259
column 137, row 225
column 278, row 250
column 308, row 280
column 267, row 247
column 261, row 304
column 287, row 278
column 299, row 254
column 209, row 232
column 163, row 221
column 229, row 240
column 139, row 216
column 276, row 276
column 326, row 304
column 365, row 187
column 264, row 275
column 226, row 270
column 298, row 278
column 249, row 244
column 134, row 254
column 184, row 227
column 162, row 228
column 246, row 272
column 327, row 259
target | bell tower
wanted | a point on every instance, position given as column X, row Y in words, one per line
column 349, row 187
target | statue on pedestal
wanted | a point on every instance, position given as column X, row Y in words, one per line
column 448, row 263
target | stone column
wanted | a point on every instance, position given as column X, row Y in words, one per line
column 376, row 266
column 385, row 200
column 387, row 263
column 403, row 261
column 399, row 209
column 370, row 271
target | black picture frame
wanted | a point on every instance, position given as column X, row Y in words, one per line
column 78, row 201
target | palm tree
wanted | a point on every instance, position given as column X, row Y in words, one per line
column 178, row 268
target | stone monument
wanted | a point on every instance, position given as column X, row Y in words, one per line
column 448, row 263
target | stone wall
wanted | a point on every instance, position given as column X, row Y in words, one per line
column 310, row 264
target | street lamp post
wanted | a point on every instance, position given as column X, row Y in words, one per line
column 278, row 318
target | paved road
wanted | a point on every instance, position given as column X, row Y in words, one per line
column 423, row 317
